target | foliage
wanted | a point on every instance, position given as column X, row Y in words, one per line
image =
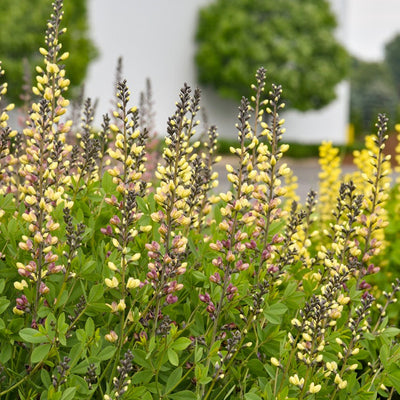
column 372, row 91
column 21, row 32
column 235, row 37
column 392, row 60
column 114, row 286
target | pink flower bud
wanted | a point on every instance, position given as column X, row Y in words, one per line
column 115, row 220
column 171, row 299
column 43, row 288
column 216, row 278
column 365, row 285
column 205, row 298
column 210, row 308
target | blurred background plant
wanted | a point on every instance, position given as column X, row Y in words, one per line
column 235, row 37
column 21, row 30
column 375, row 87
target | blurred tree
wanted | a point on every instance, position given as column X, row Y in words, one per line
column 294, row 40
column 22, row 29
column 392, row 59
column 372, row 92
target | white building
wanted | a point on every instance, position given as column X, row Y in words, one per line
column 156, row 40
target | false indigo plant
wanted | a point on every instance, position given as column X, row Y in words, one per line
column 115, row 283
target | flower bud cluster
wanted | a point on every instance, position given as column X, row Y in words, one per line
column 329, row 180
column 85, row 156
column 129, row 146
column 8, row 160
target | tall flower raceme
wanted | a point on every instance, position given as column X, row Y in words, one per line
column 85, row 155
column 43, row 168
column 176, row 197
column 269, row 189
column 126, row 171
column 8, row 160
column 209, row 158
column 373, row 220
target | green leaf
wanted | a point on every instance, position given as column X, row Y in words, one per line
column 5, row 352
column 96, row 293
column 391, row 332
column 274, row 313
column 106, row 353
column 183, row 395
column 142, row 204
column 384, row 355
column 32, row 336
column 252, row 396
column 108, row 184
column 173, row 379
column 142, row 377
column 140, row 358
column 395, row 382
column 173, row 357
column 2, row 285
column 198, row 354
column 256, row 367
column 4, row 303
column 45, row 377
column 89, row 327
column 69, row 394
column 39, row 353
column 181, row 343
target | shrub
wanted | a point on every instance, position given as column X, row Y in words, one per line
column 113, row 286
column 235, row 37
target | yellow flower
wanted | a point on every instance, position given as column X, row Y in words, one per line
column 20, row 285
column 111, row 283
column 132, row 283
column 111, row 337
column 314, row 388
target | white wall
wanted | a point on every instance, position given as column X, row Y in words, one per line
column 156, row 39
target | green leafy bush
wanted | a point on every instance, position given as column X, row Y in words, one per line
column 115, row 286
column 235, row 37
column 21, row 33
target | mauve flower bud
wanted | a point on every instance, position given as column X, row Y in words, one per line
column 205, row 298
column 273, row 269
column 364, row 285
column 106, row 231
column 170, row 299
column 216, row 278
column 251, row 245
column 226, row 243
column 210, row 308
column 115, row 220
column 265, row 254
column 217, row 262
column 241, row 266
column 43, row 288
column 181, row 270
column 277, row 238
